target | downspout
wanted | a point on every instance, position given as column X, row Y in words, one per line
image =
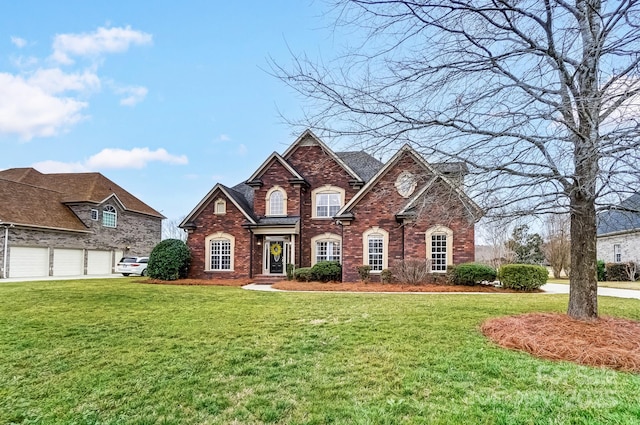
column 5, row 252
column 251, row 236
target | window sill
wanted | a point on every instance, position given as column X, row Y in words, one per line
column 218, row 271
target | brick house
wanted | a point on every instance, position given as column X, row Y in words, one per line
column 618, row 233
column 312, row 204
column 70, row 224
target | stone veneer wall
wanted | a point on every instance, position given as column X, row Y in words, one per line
column 629, row 247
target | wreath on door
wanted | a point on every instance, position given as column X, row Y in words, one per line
column 276, row 250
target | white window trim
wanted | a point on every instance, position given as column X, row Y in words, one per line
column 106, row 213
column 207, row 251
column 427, row 238
column 325, row 237
column 375, row 230
column 95, row 213
column 222, row 202
column 268, row 202
column 321, row 190
column 617, row 252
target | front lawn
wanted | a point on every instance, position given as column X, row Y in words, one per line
column 118, row 352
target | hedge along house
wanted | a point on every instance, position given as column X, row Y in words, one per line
column 312, row 204
column 70, row 224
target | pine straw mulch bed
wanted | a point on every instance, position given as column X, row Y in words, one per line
column 606, row 342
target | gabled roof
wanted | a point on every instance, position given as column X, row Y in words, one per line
column 406, row 149
column 26, row 205
column 274, row 157
column 362, row 163
column 236, row 197
column 79, row 187
column 308, row 137
column 33, row 199
column 624, row 218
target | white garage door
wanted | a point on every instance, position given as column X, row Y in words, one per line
column 98, row 262
column 68, row 262
column 28, row 262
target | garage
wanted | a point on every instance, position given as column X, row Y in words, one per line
column 99, row 262
column 68, row 262
column 28, row 262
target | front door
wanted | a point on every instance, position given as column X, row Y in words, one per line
column 276, row 257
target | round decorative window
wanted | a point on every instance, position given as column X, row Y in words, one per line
column 406, row 184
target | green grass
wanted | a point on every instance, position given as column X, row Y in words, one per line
column 620, row 285
column 116, row 352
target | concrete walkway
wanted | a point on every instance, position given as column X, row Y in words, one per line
column 40, row 279
column 549, row 288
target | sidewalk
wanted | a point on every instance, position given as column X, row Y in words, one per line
column 549, row 288
column 558, row 288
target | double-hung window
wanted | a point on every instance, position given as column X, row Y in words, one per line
column 327, row 204
column 439, row 252
column 376, row 252
column 327, row 251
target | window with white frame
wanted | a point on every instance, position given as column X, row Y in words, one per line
column 221, row 254
column 327, row 204
column 94, row 214
column 220, row 248
column 439, row 240
column 327, row 251
column 376, row 252
column 276, row 201
column 327, row 201
column 220, row 207
column 439, row 252
column 617, row 253
column 375, row 243
column 109, row 216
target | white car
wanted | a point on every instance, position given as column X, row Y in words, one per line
column 132, row 265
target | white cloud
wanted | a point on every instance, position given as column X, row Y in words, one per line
column 242, row 150
column 224, row 138
column 132, row 94
column 54, row 80
column 134, row 158
column 59, row 167
column 103, row 40
column 30, row 111
column 18, row 42
column 112, row 158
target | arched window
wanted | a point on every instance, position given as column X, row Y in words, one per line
column 109, row 216
column 326, row 201
column 276, row 201
column 326, row 247
column 219, row 253
column 439, row 240
column 375, row 248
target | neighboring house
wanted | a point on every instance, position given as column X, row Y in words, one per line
column 312, row 204
column 619, row 232
column 70, row 224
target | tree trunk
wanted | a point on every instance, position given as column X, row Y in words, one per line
column 583, row 297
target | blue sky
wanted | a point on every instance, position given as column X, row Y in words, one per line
column 165, row 98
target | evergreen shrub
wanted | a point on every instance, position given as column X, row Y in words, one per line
column 169, row 260
column 327, row 271
column 471, row 274
column 523, row 277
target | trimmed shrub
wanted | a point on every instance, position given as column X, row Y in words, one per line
column 365, row 273
column 412, row 272
column 386, row 276
column 326, row 271
column 303, row 274
column 169, row 260
column 471, row 274
column 616, row 272
column 523, row 277
column 602, row 271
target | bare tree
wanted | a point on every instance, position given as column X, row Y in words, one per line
column 170, row 230
column 557, row 247
column 496, row 234
column 537, row 97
